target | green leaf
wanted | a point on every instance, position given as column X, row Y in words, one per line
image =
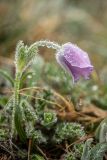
column 18, row 124
column 7, row 76
column 101, row 131
column 28, row 110
column 86, row 150
column 98, row 151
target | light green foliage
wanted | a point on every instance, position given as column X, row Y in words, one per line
column 49, row 119
column 94, row 153
column 18, row 122
column 24, row 56
column 101, row 131
column 27, row 115
column 41, row 104
column 37, row 119
column 3, row 101
column 68, row 131
column 78, row 149
column 86, row 150
column 42, row 116
column 98, row 151
column 28, row 111
column 8, row 107
column 4, row 117
column 35, row 134
column 20, row 56
column 38, row 137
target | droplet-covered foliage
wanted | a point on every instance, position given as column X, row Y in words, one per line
column 38, row 120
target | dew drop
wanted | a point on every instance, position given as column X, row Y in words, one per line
column 29, row 76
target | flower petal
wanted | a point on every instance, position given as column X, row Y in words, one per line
column 76, row 56
column 75, row 61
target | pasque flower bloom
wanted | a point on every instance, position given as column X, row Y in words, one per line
column 75, row 61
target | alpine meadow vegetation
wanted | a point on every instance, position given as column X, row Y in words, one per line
column 38, row 123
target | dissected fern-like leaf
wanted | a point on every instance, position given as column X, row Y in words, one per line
column 101, row 131
column 20, row 55
column 97, row 152
column 28, row 110
column 86, row 150
column 24, row 56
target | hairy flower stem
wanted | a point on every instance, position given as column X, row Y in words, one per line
column 47, row 44
column 16, row 99
column 16, row 88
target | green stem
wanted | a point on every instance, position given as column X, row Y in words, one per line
column 17, row 113
column 16, row 89
column 16, row 100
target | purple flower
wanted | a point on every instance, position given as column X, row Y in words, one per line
column 75, row 61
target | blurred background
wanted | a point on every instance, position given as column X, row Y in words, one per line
column 78, row 21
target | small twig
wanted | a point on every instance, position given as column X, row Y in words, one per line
column 42, row 99
column 80, row 140
column 67, row 147
column 10, row 140
column 69, row 106
column 105, row 157
column 41, row 152
column 28, row 88
column 5, row 149
column 29, row 148
column 18, row 148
